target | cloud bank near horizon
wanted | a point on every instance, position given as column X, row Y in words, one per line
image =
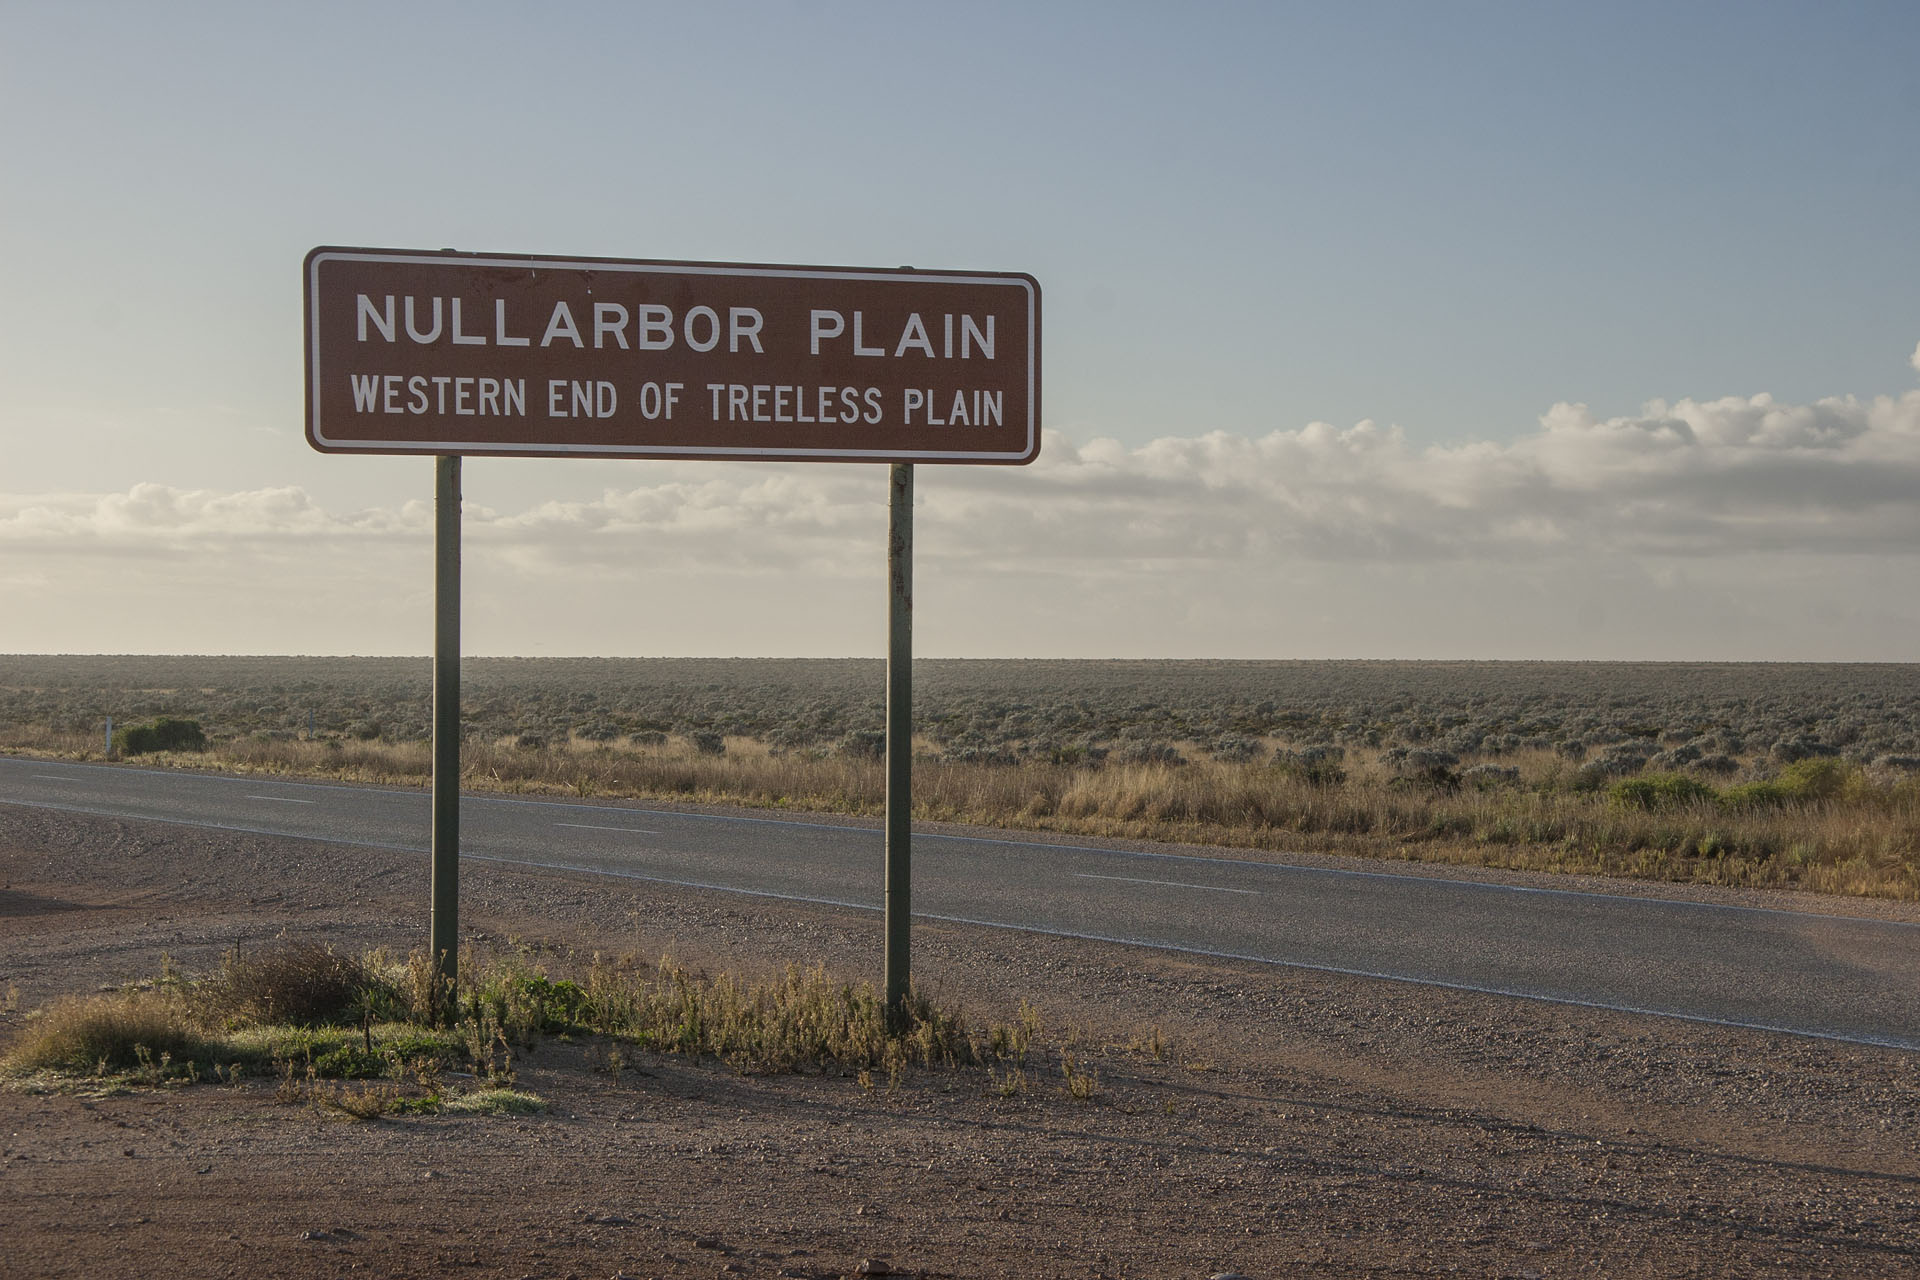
column 1733, row 527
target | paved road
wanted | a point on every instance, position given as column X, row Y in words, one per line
column 1839, row 977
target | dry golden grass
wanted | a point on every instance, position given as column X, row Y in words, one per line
column 799, row 1019
column 119, row 1031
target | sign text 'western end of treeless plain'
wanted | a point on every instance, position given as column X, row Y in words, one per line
column 449, row 353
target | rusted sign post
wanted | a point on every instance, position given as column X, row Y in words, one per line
column 450, row 354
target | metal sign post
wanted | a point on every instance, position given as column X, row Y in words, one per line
column 444, row 926
column 899, row 820
column 523, row 355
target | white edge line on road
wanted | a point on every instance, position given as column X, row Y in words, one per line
column 1448, row 882
column 283, row 799
column 1878, row 1042
column 678, row 884
column 588, row 826
column 1013, row 840
column 1171, row 884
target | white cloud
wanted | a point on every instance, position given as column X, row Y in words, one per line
column 1691, row 478
column 158, row 519
column 1717, row 528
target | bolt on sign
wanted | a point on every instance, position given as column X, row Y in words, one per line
column 468, row 353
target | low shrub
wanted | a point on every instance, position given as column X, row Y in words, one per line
column 1679, row 757
column 164, row 734
column 1075, row 753
column 1660, row 791
column 1150, row 752
column 1817, row 778
column 1807, row 780
column 1755, row 795
column 1624, row 758
column 301, row 983
column 864, row 744
column 1488, row 777
column 1794, row 750
column 526, row 1002
column 1318, row 764
column 1423, row 767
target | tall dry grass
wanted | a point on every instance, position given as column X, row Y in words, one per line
column 113, row 1032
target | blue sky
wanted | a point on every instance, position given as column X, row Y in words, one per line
column 1247, row 219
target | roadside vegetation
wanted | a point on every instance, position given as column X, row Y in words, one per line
column 1761, row 775
column 360, row 1034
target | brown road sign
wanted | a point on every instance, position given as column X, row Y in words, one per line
column 468, row 353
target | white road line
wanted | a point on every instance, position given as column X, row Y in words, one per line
column 283, row 800
column 1171, row 884
column 1842, row 1037
column 56, row 777
column 588, row 826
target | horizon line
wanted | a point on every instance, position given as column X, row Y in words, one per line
column 771, row 657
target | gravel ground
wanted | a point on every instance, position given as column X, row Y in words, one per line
column 1299, row 1124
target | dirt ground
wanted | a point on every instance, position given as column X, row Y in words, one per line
column 1300, row 1124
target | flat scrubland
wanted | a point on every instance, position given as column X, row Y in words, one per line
column 1789, row 775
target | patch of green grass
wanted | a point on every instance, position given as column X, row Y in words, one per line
column 343, row 1053
column 494, row 1102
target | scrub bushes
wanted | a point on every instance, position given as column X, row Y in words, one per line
column 164, row 734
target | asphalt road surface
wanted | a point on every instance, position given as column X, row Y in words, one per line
column 1837, row 977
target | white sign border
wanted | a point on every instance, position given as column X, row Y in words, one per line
column 495, row 449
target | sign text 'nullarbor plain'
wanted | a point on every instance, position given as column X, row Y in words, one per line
column 445, row 353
